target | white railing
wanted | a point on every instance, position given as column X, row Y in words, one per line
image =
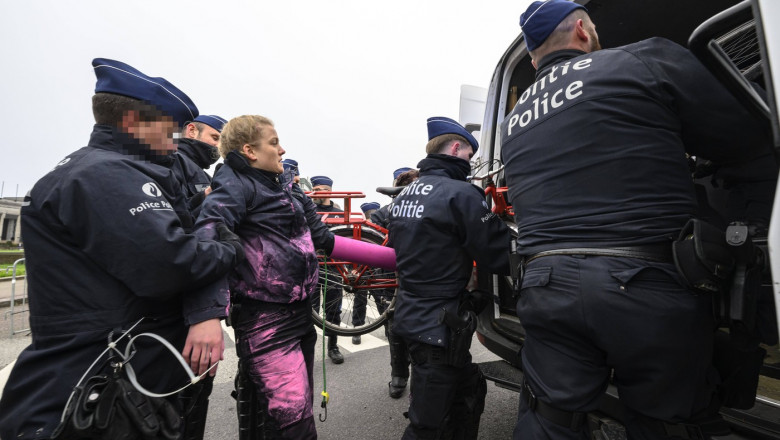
column 21, row 309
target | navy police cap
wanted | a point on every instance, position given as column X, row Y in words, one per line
column 368, row 206
column 291, row 163
column 400, row 171
column 321, row 180
column 439, row 125
column 541, row 19
column 212, row 121
column 121, row 79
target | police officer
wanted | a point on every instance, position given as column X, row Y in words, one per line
column 197, row 151
column 291, row 170
column 595, row 156
column 401, row 177
column 333, row 293
column 397, row 173
column 361, row 297
column 369, row 208
column 105, row 248
column 399, row 352
column 442, row 215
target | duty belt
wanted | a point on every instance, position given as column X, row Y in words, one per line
column 659, row 253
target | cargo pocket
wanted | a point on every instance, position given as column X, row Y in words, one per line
column 536, row 277
column 648, row 279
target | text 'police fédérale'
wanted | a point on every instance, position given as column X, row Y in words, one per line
column 162, row 204
column 567, row 93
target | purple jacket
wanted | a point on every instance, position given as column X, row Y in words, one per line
column 279, row 229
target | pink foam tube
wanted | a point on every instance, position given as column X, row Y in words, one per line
column 361, row 252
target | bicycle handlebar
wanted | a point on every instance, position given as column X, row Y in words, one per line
column 485, row 176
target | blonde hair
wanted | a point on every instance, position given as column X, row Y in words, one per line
column 237, row 132
column 439, row 143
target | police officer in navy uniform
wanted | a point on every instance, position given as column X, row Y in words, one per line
column 595, row 155
column 444, row 216
column 333, row 293
column 291, row 171
column 361, row 296
column 399, row 352
column 197, row 151
column 105, row 248
column 381, row 215
column 369, row 208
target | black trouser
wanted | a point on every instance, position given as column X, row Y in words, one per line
column 585, row 316
column 195, row 403
column 382, row 298
column 446, row 401
column 399, row 352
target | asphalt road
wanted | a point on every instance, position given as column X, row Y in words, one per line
column 359, row 406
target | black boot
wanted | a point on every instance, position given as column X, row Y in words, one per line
column 333, row 350
column 396, row 386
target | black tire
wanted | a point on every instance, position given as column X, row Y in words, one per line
column 379, row 302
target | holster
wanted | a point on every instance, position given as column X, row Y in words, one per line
column 461, row 330
column 738, row 362
column 108, row 406
column 741, row 306
column 516, row 268
column 703, row 257
column 234, row 310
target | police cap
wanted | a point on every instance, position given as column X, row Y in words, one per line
column 439, row 125
column 121, row 79
column 542, row 17
column 212, row 121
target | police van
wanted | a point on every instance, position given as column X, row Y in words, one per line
column 739, row 41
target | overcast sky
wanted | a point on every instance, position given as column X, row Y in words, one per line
column 349, row 84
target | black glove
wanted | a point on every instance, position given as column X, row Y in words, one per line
column 475, row 301
column 227, row 236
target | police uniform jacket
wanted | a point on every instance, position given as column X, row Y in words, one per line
column 439, row 225
column 279, row 229
column 381, row 216
column 330, row 207
column 192, row 158
column 595, row 149
column 104, row 248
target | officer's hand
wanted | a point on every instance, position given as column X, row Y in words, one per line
column 204, row 346
column 476, row 301
column 225, row 235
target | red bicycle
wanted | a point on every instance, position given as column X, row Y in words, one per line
column 358, row 282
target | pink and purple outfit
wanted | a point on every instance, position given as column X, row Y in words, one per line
column 280, row 230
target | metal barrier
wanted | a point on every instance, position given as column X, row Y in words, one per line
column 18, row 309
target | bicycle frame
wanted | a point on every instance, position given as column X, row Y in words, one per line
column 499, row 196
column 354, row 275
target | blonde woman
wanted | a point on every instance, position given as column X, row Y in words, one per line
column 271, row 312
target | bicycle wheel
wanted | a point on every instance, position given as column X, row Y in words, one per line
column 357, row 297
